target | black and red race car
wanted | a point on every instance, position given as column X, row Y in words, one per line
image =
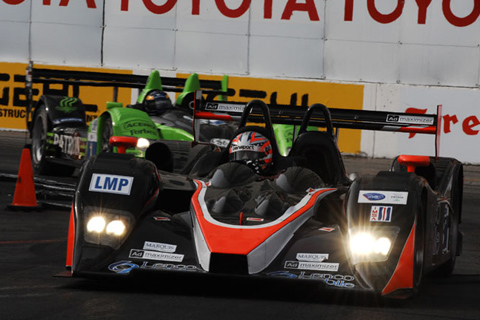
column 307, row 220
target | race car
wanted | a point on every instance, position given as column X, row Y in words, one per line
column 61, row 138
column 298, row 217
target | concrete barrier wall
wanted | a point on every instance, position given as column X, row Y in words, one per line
column 401, row 55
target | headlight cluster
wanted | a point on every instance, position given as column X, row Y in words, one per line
column 107, row 228
column 371, row 245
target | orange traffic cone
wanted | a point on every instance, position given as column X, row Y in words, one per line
column 25, row 197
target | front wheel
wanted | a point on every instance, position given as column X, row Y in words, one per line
column 41, row 127
column 40, row 145
column 452, row 225
column 419, row 250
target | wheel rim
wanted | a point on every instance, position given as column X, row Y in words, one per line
column 107, row 133
column 38, row 140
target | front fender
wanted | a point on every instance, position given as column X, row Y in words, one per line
column 385, row 205
column 62, row 110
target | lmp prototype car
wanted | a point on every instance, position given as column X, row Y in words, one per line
column 302, row 219
column 61, row 138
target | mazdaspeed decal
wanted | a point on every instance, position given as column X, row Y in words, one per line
column 381, row 214
column 383, row 197
column 109, row 183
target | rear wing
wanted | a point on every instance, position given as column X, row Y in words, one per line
column 74, row 80
column 318, row 115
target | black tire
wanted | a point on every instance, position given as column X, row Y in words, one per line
column 419, row 249
column 41, row 126
column 40, row 164
column 187, row 102
column 446, row 269
column 107, row 133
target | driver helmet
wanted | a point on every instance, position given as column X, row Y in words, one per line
column 157, row 102
column 253, row 149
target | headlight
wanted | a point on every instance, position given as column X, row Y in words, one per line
column 371, row 245
column 116, row 228
column 96, row 224
column 107, row 228
column 143, row 143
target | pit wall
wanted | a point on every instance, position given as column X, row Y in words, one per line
column 460, row 112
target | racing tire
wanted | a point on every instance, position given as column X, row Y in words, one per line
column 446, row 268
column 187, row 102
column 40, row 164
column 419, row 249
column 107, row 133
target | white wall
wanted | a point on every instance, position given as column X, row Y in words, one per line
column 407, row 53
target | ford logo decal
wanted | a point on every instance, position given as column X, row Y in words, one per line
column 374, row 196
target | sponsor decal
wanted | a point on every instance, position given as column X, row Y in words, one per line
column 67, row 105
column 108, row 183
column 122, row 267
column 326, row 229
column 153, row 255
column 248, row 148
column 282, row 274
column 383, row 197
column 70, row 145
column 255, row 219
column 334, row 280
column 285, row 10
column 63, row 120
column 381, row 214
column 125, row 266
column 410, row 119
column 374, row 196
column 222, row 143
column 161, row 218
column 156, row 246
column 312, row 257
column 136, row 127
column 224, row 107
column 317, row 266
column 133, row 124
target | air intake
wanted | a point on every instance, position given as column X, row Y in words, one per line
column 228, row 264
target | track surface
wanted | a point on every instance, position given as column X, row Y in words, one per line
column 33, row 246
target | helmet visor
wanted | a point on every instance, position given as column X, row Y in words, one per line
column 246, row 155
